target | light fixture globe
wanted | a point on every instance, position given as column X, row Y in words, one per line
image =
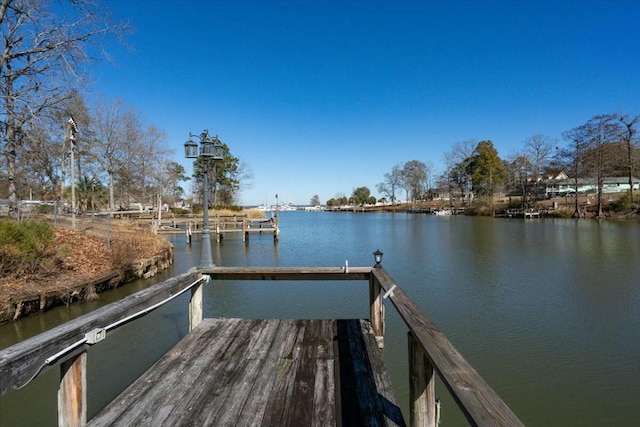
column 206, row 147
column 190, row 149
column 377, row 257
column 217, row 152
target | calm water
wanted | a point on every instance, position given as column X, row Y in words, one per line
column 548, row 311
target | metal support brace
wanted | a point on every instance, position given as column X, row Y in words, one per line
column 389, row 292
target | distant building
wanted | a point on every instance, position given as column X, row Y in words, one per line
column 564, row 187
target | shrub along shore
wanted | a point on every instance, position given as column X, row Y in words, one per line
column 43, row 265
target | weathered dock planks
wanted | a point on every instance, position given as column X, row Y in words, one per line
column 345, row 372
column 263, row 372
column 23, row 361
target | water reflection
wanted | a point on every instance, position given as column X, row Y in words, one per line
column 548, row 311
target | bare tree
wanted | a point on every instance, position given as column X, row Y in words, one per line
column 43, row 53
column 591, row 151
column 602, row 133
column 459, row 158
column 518, row 168
column 244, row 176
column 39, row 162
column 539, row 150
column 175, row 174
column 109, row 147
column 392, row 181
column 629, row 135
column 572, row 157
column 414, row 178
column 446, row 179
column 151, row 160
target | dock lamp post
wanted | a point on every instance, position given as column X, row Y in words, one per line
column 210, row 149
column 377, row 257
column 73, row 130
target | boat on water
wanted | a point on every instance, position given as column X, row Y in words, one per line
column 443, row 212
column 288, row 207
column 273, row 208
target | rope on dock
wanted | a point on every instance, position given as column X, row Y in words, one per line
column 89, row 337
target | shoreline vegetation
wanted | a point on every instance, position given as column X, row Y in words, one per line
column 45, row 262
column 616, row 206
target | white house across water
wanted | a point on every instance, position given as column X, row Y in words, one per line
column 565, row 187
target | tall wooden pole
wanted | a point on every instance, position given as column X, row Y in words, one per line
column 73, row 189
column 72, row 142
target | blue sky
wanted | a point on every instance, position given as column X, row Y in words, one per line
column 321, row 97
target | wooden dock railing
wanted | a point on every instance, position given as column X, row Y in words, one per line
column 67, row 345
column 220, row 225
column 430, row 351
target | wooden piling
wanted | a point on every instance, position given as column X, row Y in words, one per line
column 376, row 310
column 245, row 230
column 276, row 230
column 72, row 393
column 422, row 390
column 195, row 306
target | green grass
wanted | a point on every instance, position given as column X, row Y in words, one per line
column 23, row 245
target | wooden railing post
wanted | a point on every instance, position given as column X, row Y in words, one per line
column 422, row 392
column 245, row 229
column 376, row 310
column 72, row 393
column 195, row 306
column 276, row 230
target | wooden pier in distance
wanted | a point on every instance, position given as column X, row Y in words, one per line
column 219, row 225
column 519, row 213
column 298, row 372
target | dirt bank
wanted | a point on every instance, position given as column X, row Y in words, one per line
column 84, row 266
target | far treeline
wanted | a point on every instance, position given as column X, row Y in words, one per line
column 605, row 146
column 45, row 121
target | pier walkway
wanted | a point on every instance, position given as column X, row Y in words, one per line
column 263, row 372
column 299, row 372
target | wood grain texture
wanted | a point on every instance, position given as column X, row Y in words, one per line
column 475, row 398
column 422, row 392
column 263, row 372
column 287, row 273
column 376, row 307
column 277, row 367
column 21, row 361
column 195, row 306
column 72, row 392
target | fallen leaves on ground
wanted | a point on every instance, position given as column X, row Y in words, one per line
column 80, row 256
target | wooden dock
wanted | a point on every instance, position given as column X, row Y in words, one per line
column 263, row 372
column 219, row 226
column 519, row 213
